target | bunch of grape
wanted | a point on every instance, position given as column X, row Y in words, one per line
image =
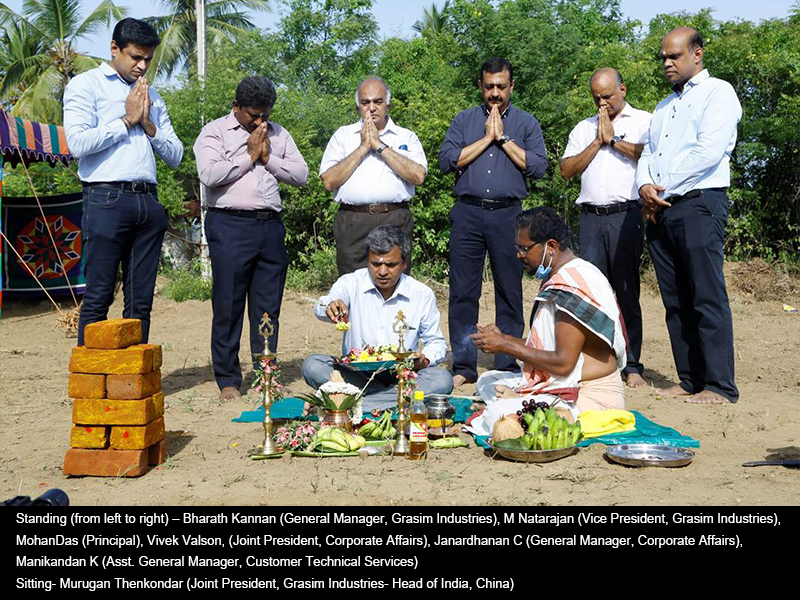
column 530, row 407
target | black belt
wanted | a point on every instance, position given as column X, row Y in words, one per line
column 373, row 209
column 695, row 194
column 610, row 209
column 132, row 187
column 261, row 215
column 487, row 203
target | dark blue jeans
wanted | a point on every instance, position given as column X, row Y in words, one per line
column 249, row 261
column 613, row 243
column 474, row 232
column 686, row 245
column 120, row 228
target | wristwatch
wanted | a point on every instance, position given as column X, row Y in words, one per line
column 503, row 139
column 382, row 148
column 614, row 140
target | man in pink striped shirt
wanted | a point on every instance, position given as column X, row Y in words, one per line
column 241, row 159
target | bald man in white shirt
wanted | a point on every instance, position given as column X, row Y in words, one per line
column 604, row 149
column 373, row 168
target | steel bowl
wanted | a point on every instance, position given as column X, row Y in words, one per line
column 649, row 455
column 537, row 456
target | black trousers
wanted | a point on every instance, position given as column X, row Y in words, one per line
column 474, row 232
column 120, row 228
column 686, row 245
column 613, row 243
column 249, row 263
column 350, row 231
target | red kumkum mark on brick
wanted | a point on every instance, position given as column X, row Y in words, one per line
column 88, row 430
column 126, row 435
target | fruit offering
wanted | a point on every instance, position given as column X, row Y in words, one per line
column 382, row 429
column 370, row 354
column 333, row 439
column 545, row 431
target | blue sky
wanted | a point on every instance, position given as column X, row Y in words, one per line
column 397, row 17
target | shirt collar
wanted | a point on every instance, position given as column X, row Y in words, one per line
column 503, row 116
column 367, row 285
column 390, row 126
column 232, row 123
column 696, row 80
column 109, row 71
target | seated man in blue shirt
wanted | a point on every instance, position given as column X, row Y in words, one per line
column 114, row 122
column 369, row 299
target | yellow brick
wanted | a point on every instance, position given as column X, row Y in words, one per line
column 85, row 436
column 105, row 463
column 130, row 361
column 157, row 354
column 137, row 438
column 113, row 333
column 132, row 387
column 87, row 411
column 85, row 385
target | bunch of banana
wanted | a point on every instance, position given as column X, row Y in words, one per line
column 333, row 439
column 547, row 431
column 382, row 429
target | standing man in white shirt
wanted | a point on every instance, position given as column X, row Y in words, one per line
column 372, row 167
column 683, row 175
column 604, row 149
column 114, row 122
column 369, row 299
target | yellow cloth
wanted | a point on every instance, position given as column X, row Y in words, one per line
column 595, row 423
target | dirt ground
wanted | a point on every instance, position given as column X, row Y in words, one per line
column 209, row 463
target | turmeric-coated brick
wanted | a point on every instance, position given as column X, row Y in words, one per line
column 113, row 334
column 132, row 387
column 157, row 452
column 89, row 436
column 87, row 385
column 105, row 463
column 88, row 411
column 128, row 437
column 130, row 361
column 157, row 354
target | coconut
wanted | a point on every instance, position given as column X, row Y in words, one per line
column 507, row 428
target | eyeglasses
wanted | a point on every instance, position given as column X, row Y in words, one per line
column 525, row 249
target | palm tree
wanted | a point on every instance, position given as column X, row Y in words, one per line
column 38, row 58
column 433, row 19
column 225, row 20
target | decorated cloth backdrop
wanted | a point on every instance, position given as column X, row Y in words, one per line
column 22, row 223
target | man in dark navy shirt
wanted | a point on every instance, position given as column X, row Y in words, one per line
column 492, row 148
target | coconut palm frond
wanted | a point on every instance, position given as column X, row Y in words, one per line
column 101, row 17
column 42, row 101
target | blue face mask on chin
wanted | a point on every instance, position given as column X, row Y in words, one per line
column 543, row 272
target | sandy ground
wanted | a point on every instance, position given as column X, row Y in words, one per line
column 209, row 463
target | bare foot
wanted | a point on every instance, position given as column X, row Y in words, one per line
column 503, row 391
column 459, row 380
column 229, row 393
column 673, row 392
column 635, row 380
column 707, row 397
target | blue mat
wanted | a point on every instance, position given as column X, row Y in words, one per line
column 646, row 432
column 292, row 408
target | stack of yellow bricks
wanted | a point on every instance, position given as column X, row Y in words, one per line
column 118, row 407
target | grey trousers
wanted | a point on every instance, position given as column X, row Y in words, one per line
column 381, row 393
column 350, row 230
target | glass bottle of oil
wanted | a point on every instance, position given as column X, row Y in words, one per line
column 418, row 428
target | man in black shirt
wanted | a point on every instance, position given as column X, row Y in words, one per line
column 493, row 149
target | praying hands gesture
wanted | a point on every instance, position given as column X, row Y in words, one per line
column 255, row 144
column 605, row 130
column 493, row 130
column 369, row 135
column 137, row 107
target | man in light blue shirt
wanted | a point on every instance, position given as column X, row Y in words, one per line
column 369, row 299
column 114, row 122
column 682, row 177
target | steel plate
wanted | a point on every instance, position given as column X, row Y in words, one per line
column 649, row 455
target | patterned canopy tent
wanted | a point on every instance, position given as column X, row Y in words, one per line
column 57, row 268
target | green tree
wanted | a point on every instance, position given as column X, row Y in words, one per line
column 225, row 21
column 42, row 58
column 433, row 19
